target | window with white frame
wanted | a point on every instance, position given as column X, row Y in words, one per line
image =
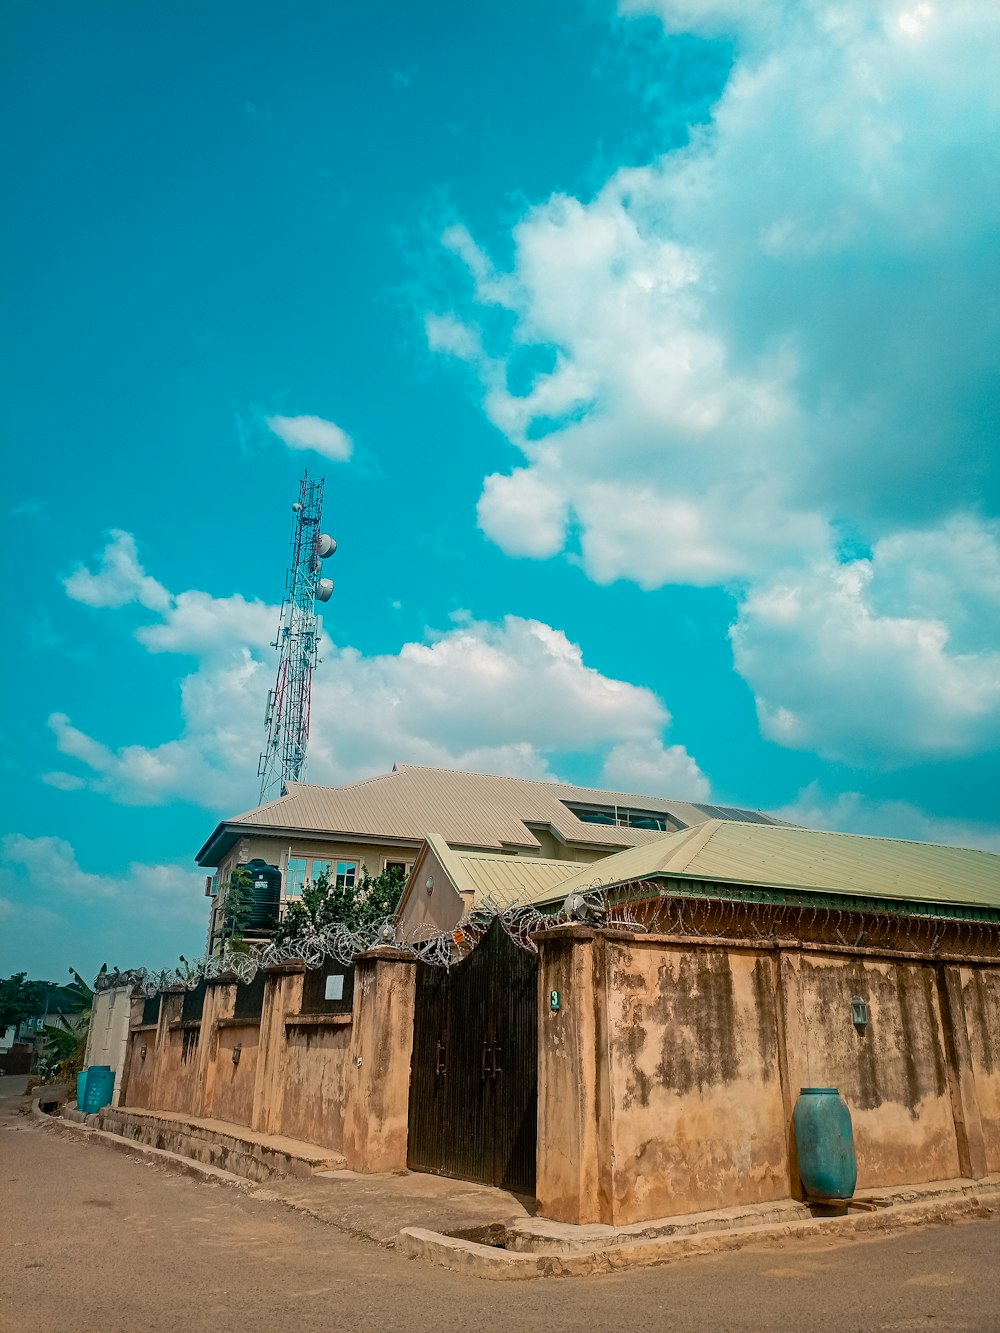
column 347, row 874
column 303, row 870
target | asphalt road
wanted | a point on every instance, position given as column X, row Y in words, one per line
column 94, row 1241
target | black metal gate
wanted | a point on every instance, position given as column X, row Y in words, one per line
column 473, row 1085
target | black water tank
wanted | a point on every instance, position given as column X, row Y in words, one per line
column 263, row 894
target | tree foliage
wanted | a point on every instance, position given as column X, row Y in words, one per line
column 65, row 1046
column 20, row 999
column 365, row 902
column 76, row 994
column 239, row 903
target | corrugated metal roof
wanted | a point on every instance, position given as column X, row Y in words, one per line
column 795, row 858
column 503, row 880
column 468, row 809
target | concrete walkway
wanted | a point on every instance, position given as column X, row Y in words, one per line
column 377, row 1207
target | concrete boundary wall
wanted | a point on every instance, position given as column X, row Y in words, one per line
column 669, row 1071
column 668, row 1067
column 337, row 1080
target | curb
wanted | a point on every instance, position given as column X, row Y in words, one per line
column 184, row 1166
column 496, row 1265
column 79, row 1117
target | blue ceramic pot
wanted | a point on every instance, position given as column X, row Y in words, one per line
column 824, row 1141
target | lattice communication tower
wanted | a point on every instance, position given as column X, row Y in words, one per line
column 287, row 714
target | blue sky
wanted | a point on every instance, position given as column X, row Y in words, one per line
column 660, row 342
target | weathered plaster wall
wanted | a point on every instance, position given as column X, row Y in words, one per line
column 668, row 1075
column 377, row 1077
column 186, row 1050
column 230, row 1093
column 190, row 1067
column 179, row 1074
column 300, row 1075
column 981, row 1003
column 282, row 996
column 312, row 1106
column 139, row 1072
column 894, row 1077
column 696, row 1104
column 574, row 1120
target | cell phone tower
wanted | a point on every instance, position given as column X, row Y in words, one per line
column 286, row 716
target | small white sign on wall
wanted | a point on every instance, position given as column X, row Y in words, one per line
column 335, row 987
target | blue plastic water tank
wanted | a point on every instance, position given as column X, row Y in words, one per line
column 98, row 1088
column 824, row 1141
column 263, row 895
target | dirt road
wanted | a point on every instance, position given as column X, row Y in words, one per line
column 93, row 1240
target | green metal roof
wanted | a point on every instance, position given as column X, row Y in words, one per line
column 776, row 857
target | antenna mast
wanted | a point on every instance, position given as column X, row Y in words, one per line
column 286, row 716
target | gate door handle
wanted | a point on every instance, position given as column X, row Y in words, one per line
column 496, row 1061
column 440, row 1059
column 485, row 1067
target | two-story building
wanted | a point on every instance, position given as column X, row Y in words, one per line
column 381, row 823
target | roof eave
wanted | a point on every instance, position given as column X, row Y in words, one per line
column 924, row 906
column 238, row 831
column 206, row 856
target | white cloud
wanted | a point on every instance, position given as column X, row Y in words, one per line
column 851, row 812
column 510, row 697
column 200, row 624
column 214, row 759
column 63, row 781
column 447, row 334
column 45, row 870
column 882, row 660
column 77, row 745
column 524, row 514
column 119, row 578
column 192, row 622
column 780, row 332
column 57, row 912
column 323, row 437
column 650, row 768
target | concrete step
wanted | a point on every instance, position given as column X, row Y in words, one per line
column 538, row 1235
column 217, row 1143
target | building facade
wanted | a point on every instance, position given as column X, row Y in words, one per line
column 643, row 1058
column 382, row 822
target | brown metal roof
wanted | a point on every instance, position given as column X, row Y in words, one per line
column 468, row 809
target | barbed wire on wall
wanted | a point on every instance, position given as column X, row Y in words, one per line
column 342, row 943
column 631, row 907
